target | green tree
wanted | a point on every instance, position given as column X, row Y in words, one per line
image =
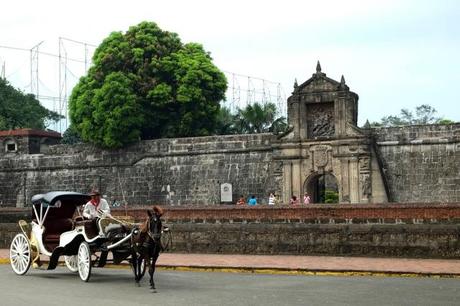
column 19, row 110
column 257, row 118
column 424, row 114
column 225, row 122
column 331, row 196
column 71, row 136
column 445, row 121
column 147, row 84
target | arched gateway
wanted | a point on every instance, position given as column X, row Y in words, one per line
column 325, row 152
column 322, row 188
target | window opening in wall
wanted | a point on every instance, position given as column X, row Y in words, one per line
column 10, row 146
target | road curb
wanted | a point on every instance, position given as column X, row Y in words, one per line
column 306, row 272
column 282, row 271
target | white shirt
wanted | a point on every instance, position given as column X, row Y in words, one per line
column 271, row 200
column 91, row 212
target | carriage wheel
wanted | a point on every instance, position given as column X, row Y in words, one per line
column 84, row 261
column 71, row 262
column 20, row 254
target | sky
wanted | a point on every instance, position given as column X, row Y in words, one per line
column 393, row 54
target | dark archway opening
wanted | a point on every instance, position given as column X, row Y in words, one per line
column 323, row 188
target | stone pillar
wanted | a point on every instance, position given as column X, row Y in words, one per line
column 353, row 174
column 287, row 182
column 340, row 110
column 296, row 179
column 344, row 181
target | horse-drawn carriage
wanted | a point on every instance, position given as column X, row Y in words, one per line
column 59, row 229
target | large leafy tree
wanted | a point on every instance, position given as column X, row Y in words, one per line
column 19, row 110
column 424, row 114
column 147, row 84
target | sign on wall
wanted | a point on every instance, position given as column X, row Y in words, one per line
column 226, row 192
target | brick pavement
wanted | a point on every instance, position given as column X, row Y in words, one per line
column 443, row 267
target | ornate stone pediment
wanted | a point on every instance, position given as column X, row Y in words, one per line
column 318, row 83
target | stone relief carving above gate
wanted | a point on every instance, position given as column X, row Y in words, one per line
column 320, row 120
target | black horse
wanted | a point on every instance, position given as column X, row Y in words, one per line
column 146, row 245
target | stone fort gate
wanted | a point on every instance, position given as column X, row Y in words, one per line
column 325, row 150
column 323, row 153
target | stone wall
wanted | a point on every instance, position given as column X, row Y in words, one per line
column 421, row 163
column 405, row 230
column 429, row 230
column 166, row 171
column 7, row 233
column 398, row 240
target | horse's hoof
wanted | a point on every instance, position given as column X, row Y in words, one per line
column 138, row 284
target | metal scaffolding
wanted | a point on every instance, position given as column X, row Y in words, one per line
column 243, row 89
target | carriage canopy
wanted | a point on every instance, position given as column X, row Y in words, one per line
column 57, row 204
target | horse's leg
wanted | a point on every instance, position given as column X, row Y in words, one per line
column 152, row 269
column 134, row 263
column 139, row 269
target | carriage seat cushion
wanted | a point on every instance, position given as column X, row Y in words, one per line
column 58, row 226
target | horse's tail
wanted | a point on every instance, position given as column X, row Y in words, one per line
column 158, row 210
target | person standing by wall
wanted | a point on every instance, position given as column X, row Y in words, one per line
column 294, row 200
column 241, row 201
column 271, row 199
column 252, row 201
column 306, row 198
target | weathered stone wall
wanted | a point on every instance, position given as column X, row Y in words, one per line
column 398, row 240
column 429, row 230
column 7, row 233
column 406, row 230
column 421, row 163
column 166, row 171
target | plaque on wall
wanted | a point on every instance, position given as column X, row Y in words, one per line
column 226, row 193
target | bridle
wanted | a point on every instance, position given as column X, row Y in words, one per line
column 156, row 236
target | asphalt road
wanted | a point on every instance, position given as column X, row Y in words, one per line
column 116, row 287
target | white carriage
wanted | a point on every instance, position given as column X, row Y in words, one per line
column 58, row 229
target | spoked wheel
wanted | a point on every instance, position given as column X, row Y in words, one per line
column 71, row 262
column 84, row 261
column 20, row 254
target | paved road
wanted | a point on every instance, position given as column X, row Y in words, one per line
column 416, row 266
column 116, row 287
